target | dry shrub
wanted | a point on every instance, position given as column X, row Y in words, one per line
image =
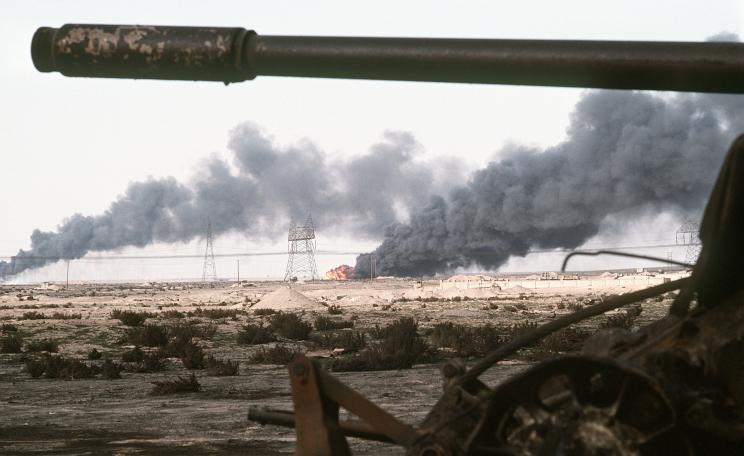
column 172, row 314
column 130, row 317
column 255, row 334
column 184, row 348
column 33, row 315
column 348, row 340
column 575, row 306
column 290, row 326
column 566, row 340
column 150, row 362
column 520, row 306
column 518, row 329
column 47, row 345
column 11, row 343
column 35, row 367
column 264, row 312
column 400, row 347
column 278, row 354
column 111, row 370
column 134, row 355
column 179, row 385
column 192, row 329
column 622, row 320
column 335, row 309
column 509, row 308
column 66, row 316
column 327, row 324
column 222, row 367
column 467, row 341
column 94, row 354
column 216, row 314
column 8, row 327
column 56, row 366
column 148, row 336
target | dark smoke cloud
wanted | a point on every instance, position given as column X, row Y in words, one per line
column 624, row 152
column 256, row 193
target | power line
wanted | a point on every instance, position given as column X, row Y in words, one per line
column 317, row 252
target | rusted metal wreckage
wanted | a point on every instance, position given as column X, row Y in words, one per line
column 675, row 386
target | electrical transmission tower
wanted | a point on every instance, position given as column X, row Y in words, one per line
column 688, row 234
column 301, row 251
column 209, row 273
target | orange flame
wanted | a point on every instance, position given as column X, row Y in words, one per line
column 343, row 272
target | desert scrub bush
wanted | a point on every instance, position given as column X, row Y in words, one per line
column 254, row 334
column 94, row 354
column 65, row 316
column 622, row 320
column 150, row 362
column 467, row 341
column 264, row 312
column 148, row 336
column 47, row 345
column 278, row 354
column 518, row 329
column 134, row 355
column 57, row 366
column 323, row 323
column 221, row 367
column 520, row 306
column 566, row 340
column 574, row 306
column 400, row 347
column 184, row 348
column 111, row 370
column 406, row 324
column 179, row 385
column 290, row 326
column 130, row 317
column 8, row 327
column 33, row 315
column 11, row 343
column 171, row 314
column 216, row 314
column 192, row 329
column 335, row 309
column 510, row 308
column 348, row 340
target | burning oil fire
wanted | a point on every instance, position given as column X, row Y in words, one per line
column 343, row 272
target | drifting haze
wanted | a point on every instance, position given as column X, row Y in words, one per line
column 625, row 152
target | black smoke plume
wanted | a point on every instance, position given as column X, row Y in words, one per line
column 625, row 153
column 256, row 193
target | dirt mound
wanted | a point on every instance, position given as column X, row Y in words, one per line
column 286, row 298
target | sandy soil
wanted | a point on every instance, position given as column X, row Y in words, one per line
column 50, row 416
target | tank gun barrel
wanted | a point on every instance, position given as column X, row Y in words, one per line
column 237, row 54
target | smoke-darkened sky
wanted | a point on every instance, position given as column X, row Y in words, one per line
column 77, row 146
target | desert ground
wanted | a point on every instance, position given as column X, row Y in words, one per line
column 96, row 352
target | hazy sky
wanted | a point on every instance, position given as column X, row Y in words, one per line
column 72, row 145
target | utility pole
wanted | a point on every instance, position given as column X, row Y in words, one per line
column 372, row 266
column 67, row 280
column 238, row 272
